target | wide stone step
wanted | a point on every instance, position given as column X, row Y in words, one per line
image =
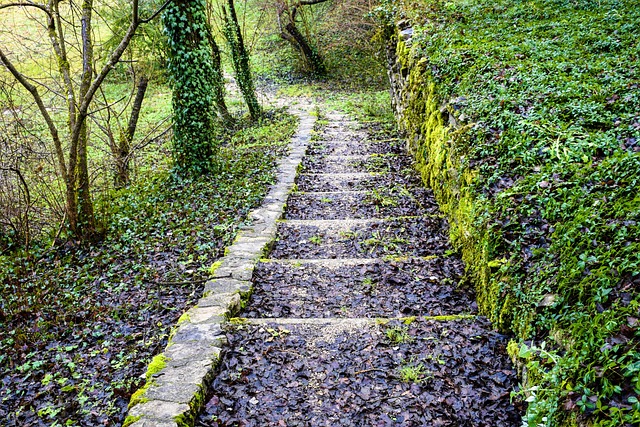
column 349, row 164
column 411, row 236
column 362, row 181
column 375, row 203
column 420, row 373
column 380, row 288
column 362, row 146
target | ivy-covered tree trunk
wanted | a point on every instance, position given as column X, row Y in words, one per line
column 191, row 73
column 218, row 81
column 240, row 58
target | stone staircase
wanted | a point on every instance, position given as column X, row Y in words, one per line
column 356, row 318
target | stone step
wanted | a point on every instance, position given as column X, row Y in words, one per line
column 360, row 181
column 382, row 288
column 361, row 238
column 363, row 146
column 329, row 193
column 339, row 262
column 360, row 163
column 346, row 321
column 383, row 203
column 357, row 372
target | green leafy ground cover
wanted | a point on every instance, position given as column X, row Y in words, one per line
column 549, row 93
column 80, row 324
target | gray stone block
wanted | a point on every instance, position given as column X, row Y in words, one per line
column 186, row 352
column 159, row 410
column 176, row 392
column 204, row 332
column 224, row 286
column 189, row 372
column 211, row 314
column 225, row 301
column 146, row 422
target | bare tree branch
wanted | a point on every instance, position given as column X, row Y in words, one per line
column 28, row 4
column 156, row 13
column 43, row 109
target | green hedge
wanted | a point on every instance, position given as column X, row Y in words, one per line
column 524, row 117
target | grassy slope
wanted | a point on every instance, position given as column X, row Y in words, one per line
column 552, row 88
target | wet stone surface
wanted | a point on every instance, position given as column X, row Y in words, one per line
column 437, row 374
column 379, row 289
column 356, row 182
column 383, row 203
column 421, row 236
column 382, row 163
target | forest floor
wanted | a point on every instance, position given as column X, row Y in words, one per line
column 358, row 317
column 80, row 324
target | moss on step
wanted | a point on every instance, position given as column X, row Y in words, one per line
column 157, row 364
column 130, row 420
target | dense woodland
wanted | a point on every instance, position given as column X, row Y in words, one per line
column 136, row 136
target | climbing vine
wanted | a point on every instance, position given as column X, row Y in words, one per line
column 240, row 58
column 192, row 76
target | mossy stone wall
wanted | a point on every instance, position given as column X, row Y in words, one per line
column 433, row 131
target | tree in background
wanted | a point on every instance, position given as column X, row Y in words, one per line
column 240, row 58
column 288, row 15
column 193, row 77
column 78, row 92
column 144, row 60
column 218, row 81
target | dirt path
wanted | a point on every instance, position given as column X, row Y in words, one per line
column 356, row 318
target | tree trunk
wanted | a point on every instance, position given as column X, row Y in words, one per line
column 218, row 82
column 194, row 109
column 289, row 32
column 86, row 218
column 123, row 150
column 240, row 57
column 311, row 57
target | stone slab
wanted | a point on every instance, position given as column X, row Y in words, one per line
column 159, row 410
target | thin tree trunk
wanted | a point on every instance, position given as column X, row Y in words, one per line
column 123, row 150
column 86, row 225
column 218, row 82
column 86, row 217
column 312, row 58
column 240, row 57
column 290, row 33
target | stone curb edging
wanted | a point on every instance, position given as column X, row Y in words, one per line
column 177, row 379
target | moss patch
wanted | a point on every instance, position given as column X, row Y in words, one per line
column 157, row 364
column 130, row 420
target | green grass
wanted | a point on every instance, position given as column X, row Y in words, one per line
column 550, row 89
column 351, row 59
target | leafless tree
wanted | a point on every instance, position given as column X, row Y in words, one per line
column 80, row 78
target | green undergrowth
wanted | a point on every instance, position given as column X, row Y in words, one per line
column 524, row 117
column 340, row 31
column 81, row 323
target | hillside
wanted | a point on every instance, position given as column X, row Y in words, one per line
column 524, row 119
